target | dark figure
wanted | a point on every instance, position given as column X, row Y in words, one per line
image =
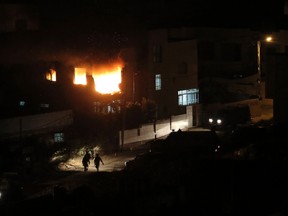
column 97, row 161
column 86, row 160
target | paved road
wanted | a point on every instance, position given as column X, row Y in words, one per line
column 71, row 173
column 112, row 162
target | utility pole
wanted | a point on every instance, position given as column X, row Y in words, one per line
column 259, row 63
column 123, row 102
column 123, row 106
column 134, row 86
column 259, row 69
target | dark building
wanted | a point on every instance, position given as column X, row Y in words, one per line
column 203, row 66
column 280, row 79
column 168, row 49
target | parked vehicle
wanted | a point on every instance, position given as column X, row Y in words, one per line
column 147, row 160
column 191, row 142
column 229, row 117
column 177, row 149
column 198, row 142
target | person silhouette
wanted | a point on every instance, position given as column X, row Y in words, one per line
column 86, row 160
column 97, row 161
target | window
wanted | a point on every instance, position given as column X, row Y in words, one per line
column 51, row 75
column 188, row 97
column 80, row 76
column 158, row 82
column 97, row 107
column 21, row 103
column 44, row 105
column 59, row 137
column 157, row 54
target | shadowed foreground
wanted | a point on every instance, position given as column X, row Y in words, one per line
column 222, row 187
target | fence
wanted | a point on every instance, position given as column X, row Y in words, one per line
column 154, row 130
column 34, row 124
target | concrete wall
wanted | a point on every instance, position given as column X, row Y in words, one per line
column 154, row 130
column 23, row 125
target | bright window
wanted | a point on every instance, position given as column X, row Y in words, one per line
column 188, row 96
column 21, row 103
column 51, row 75
column 158, row 82
column 59, row 137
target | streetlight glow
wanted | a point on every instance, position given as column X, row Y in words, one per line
column 268, row 39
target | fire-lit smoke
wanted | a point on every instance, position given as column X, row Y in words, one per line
column 107, row 78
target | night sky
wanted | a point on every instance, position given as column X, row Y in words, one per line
column 112, row 24
column 152, row 13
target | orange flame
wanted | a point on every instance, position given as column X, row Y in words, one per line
column 107, row 78
column 80, row 76
column 51, row 75
column 107, row 82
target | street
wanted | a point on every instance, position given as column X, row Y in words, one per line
column 224, row 186
column 71, row 174
column 112, row 162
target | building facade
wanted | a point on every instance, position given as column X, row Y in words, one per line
column 202, row 66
